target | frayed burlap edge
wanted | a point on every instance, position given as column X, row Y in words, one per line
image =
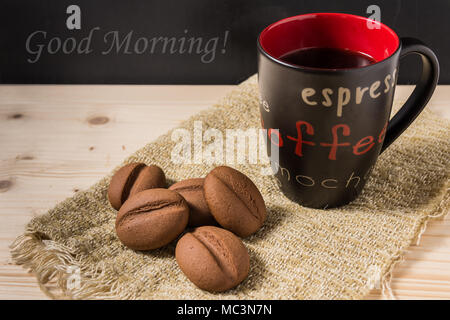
column 440, row 212
column 49, row 261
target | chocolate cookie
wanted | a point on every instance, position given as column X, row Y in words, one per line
column 214, row 259
column 134, row 178
column 151, row 219
column 234, row 200
column 192, row 191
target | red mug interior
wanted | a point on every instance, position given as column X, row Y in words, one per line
column 329, row 30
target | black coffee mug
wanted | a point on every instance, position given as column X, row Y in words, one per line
column 330, row 124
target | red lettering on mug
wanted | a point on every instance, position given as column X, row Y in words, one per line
column 279, row 140
column 335, row 144
column 299, row 139
column 382, row 133
column 366, row 142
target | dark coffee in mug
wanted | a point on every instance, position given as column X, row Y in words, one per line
column 327, row 58
column 327, row 83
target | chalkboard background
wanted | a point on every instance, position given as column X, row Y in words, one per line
column 228, row 27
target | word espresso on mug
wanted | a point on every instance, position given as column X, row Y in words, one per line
column 343, row 96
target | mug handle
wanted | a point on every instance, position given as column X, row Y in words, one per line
column 421, row 94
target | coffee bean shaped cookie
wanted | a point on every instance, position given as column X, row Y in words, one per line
column 214, row 259
column 151, row 219
column 192, row 191
column 234, row 200
column 134, row 178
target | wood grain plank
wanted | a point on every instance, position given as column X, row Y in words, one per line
column 57, row 140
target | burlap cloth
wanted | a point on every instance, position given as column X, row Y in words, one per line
column 300, row 253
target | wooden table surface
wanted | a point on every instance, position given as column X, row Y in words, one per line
column 57, row 140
